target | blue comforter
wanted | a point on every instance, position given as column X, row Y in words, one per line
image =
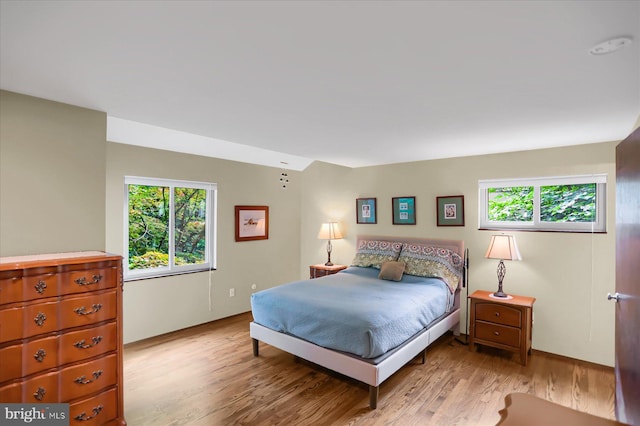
column 353, row 311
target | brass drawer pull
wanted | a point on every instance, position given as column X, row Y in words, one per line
column 39, row 394
column 82, row 310
column 83, row 280
column 40, row 319
column 40, row 287
column 39, row 355
column 82, row 380
column 83, row 345
column 82, row 417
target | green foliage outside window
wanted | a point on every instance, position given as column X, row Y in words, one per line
column 568, row 203
column 149, row 219
column 190, row 217
column 513, row 204
column 558, row 203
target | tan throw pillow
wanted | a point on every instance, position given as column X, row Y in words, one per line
column 391, row 271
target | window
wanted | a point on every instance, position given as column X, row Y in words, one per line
column 565, row 204
column 169, row 227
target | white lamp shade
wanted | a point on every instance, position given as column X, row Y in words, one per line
column 330, row 231
column 503, row 247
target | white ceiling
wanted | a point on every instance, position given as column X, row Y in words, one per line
column 353, row 83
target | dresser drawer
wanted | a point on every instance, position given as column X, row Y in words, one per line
column 87, row 378
column 11, row 359
column 94, row 411
column 28, row 358
column 88, row 309
column 11, row 393
column 39, row 286
column 11, row 324
column 87, row 343
column 42, row 388
column 40, row 318
column 28, row 320
column 499, row 314
column 39, row 355
column 11, row 287
column 496, row 333
column 86, row 280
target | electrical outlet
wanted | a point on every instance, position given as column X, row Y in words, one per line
column 232, row 292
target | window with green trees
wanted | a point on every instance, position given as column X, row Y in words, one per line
column 170, row 227
column 569, row 204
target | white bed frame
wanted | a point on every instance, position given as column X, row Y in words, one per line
column 356, row 368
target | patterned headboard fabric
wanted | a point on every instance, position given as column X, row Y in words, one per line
column 456, row 246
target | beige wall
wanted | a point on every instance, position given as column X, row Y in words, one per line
column 60, row 179
column 156, row 306
column 52, row 176
column 568, row 274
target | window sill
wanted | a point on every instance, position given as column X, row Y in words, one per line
column 166, row 274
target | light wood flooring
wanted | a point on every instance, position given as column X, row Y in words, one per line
column 207, row 375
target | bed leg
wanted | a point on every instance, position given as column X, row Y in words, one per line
column 373, row 397
column 424, row 356
column 255, row 347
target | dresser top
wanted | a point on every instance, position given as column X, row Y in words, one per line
column 50, row 259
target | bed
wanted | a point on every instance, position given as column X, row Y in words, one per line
column 368, row 321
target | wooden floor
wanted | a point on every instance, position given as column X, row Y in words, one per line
column 207, row 375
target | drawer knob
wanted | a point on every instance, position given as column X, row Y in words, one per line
column 39, row 355
column 82, row 380
column 40, row 319
column 82, row 417
column 40, row 287
column 497, row 333
column 497, row 314
column 83, row 345
column 83, row 310
column 83, row 280
column 39, row 394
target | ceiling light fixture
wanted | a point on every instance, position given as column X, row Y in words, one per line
column 610, row 46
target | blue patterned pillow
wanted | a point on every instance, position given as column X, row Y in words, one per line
column 436, row 262
column 373, row 253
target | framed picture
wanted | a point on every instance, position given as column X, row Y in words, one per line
column 366, row 210
column 450, row 210
column 404, row 210
column 252, row 223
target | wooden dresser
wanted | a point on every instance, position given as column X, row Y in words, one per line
column 61, row 333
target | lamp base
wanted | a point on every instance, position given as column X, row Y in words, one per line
column 328, row 264
column 500, row 294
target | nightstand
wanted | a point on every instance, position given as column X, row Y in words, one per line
column 501, row 323
column 320, row 270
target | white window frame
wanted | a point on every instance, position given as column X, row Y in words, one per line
column 599, row 226
column 211, row 227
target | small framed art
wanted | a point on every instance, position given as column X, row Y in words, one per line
column 450, row 210
column 404, row 210
column 252, row 223
column 366, row 210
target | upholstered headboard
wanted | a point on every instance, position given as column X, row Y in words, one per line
column 456, row 246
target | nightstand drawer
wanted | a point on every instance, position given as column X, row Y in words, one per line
column 499, row 314
column 498, row 333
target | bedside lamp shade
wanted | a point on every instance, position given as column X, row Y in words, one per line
column 502, row 247
column 329, row 231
